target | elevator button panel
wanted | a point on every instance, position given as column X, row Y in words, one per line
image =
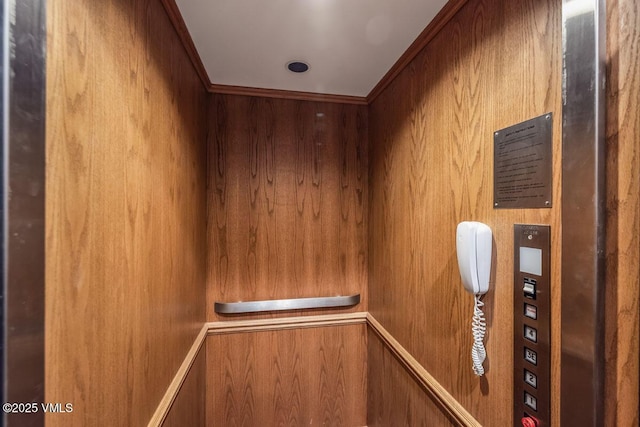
column 531, row 317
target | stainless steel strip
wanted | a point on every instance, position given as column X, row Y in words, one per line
column 23, row 186
column 4, row 129
column 583, row 213
column 285, row 304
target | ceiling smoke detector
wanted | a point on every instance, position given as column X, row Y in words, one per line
column 297, row 66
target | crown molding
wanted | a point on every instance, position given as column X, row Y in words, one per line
column 187, row 42
column 442, row 18
column 287, row 94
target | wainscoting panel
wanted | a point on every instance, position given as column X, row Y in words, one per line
column 290, row 377
column 188, row 408
column 397, row 398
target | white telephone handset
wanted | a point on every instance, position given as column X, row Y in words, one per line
column 474, row 243
column 474, row 246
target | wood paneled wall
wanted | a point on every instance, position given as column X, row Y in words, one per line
column 431, row 166
column 394, row 397
column 188, row 410
column 287, row 196
column 623, row 213
column 125, row 209
column 293, row 377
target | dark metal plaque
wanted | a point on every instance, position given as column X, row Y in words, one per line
column 522, row 164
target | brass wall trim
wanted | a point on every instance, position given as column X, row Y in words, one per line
column 583, row 213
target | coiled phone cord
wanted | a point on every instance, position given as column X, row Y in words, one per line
column 479, row 326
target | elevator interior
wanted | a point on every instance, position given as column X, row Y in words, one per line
column 164, row 196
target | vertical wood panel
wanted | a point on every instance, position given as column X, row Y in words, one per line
column 287, row 196
column 125, row 204
column 189, row 407
column 431, row 166
column 623, row 213
column 394, row 397
column 294, row 377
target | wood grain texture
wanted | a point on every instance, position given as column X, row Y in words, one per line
column 436, row 394
column 181, row 28
column 394, row 397
column 187, row 42
column 288, row 378
column 279, row 324
column 439, row 21
column 187, row 396
column 125, row 206
column 623, row 213
column 287, row 197
column 188, row 409
column 431, row 166
column 287, row 94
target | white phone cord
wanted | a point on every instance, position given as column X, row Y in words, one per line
column 479, row 326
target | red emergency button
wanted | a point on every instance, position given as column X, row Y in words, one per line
column 529, row 422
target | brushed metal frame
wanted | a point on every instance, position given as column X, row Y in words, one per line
column 4, row 86
column 583, row 213
column 285, row 304
column 22, row 189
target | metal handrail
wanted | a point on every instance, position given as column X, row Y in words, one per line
column 285, row 304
